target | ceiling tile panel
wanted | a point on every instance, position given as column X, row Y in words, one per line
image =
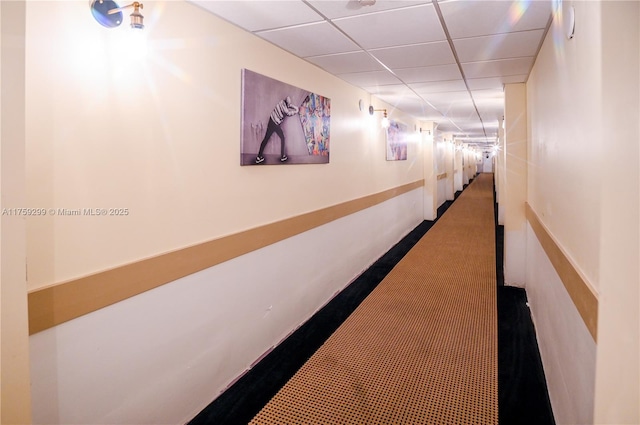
column 429, row 74
column 390, row 90
column 476, row 18
column 261, row 15
column 415, row 107
column 490, row 116
column 446, row 126
column 494, row 82
column 461, row 113
column 497, row 68
column 393, row 98
column 403, row 98
column 472, row 127
column 438, row 86
column 342, row 8
column 458, row 103
column 366, row 79
column 343, row 63
column 303, row 40
column 500, row 46
column 395, row 27
column 487, row 95
column 416, row 55
column 449, row 97
column 491, row 128
column 490, row 104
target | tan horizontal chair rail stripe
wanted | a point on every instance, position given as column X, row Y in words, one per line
column 583, row 297
column 442, row 176
column 58, row 303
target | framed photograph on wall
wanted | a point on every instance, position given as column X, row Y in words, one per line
column 282, row 124
column 397, row 136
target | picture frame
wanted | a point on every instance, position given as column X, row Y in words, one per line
column 282, row 124
column 396, row 141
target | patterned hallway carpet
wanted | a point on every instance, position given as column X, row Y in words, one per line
column 423, row 346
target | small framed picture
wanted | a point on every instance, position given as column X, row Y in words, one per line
column 396, row 141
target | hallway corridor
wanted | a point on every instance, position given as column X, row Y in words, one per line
column 151, row 276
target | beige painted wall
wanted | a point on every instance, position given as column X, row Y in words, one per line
column 449, row 166
column 617, row 369
column 430, row 166
column 458, row 168
column 15, row 391
column 499, row 172
column 567, row 139
column 515, row 180
column 579, row 93
column 159, row 134
column 442, row 164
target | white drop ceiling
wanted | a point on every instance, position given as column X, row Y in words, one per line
column 443, row 60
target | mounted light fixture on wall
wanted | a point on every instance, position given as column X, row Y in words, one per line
column 385, row 120
column 429, row 134
column 109, row 14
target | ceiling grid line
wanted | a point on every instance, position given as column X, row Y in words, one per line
column 455, row 55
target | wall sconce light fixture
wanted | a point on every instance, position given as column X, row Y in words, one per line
column 385, row 119
column 429, row 134
column 109, row 14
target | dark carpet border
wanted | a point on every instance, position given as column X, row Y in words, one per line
column 523, row 396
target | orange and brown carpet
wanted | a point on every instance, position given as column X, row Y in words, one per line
column 422, row 347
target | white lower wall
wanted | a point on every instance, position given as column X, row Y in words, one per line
column 567, row 349
column 164, row 355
